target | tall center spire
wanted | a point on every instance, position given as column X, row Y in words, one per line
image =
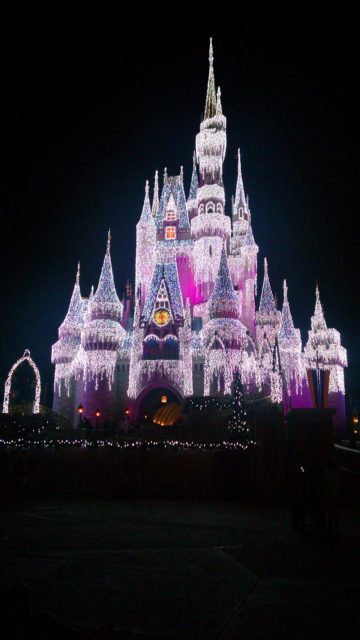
column 210, row 103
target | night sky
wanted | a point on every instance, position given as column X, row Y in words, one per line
column 92, row 106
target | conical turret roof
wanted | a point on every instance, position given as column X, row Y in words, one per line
column 194, row 185
column 210, row 103
column 105, row 296
column 287, row 332
column 267, row 301
column 318, row 322
column 223, row 302
column 240, row 198
column 146, row 215
column 73, row 320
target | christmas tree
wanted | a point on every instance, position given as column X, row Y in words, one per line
column 238, row 423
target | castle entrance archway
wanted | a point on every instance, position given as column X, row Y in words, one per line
column 160, row 405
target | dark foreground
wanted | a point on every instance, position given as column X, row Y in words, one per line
column 183, row 570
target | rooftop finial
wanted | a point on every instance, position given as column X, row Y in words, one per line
column 240, row 200
column 78, row 274
column 285, row 290
column 165, row 175
column 108, row 242
column 194, row 159
column 265, row 267
column 182, row 173
column 147, row 188
column 155, row 204
column 210, row 103
column 211, row 53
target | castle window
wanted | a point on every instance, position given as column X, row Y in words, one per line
column 170, row 233
column 210, row 207
column 219, row 208
column 210, row 251
column 171, row 215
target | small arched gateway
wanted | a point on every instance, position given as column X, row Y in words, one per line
column 25, row 358
column 155, row 397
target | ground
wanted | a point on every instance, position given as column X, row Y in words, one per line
column 183, row 570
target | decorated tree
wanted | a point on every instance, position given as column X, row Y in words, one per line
column 238, row 423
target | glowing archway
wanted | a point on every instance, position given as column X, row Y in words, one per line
column 26, row 356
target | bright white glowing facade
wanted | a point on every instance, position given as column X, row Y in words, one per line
column 192, row 322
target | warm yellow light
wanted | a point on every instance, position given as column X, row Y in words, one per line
column 355, row 419
column 163, row 399
column 161, row 317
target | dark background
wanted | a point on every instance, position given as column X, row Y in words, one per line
column 93, row 103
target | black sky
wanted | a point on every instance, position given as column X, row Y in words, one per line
column 91, row 106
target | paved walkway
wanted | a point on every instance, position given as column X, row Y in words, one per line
column 189, row 571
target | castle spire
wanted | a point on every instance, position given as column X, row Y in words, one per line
column 77, row 281
column 223, row 302
column 73, row 320
column 105, row 294
column 287, row 331
column 155, row 203
column 318, row 322
column 267, row 301
column 210, row 103
column 194, row 185
column 146, row 215
column 240, row 199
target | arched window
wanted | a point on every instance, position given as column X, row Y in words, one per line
column 219, row 208
column 210, row 207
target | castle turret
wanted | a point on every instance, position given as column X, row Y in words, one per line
column 224, row 333
column 210, row 227
column 65, row 349
column 101, row 338
column 145, row 245
column 243, row 253
column 323, row 353
column 267, row 318
column 291, row 359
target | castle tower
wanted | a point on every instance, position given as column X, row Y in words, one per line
column 224, row 333
column 64, row 351
column 173, row 242
column 210, row 227
column 267, row 318
column 290, row 347
column 145, row 245
column 323, row 352
column 161, row 337
column 243, row 253
column 101, row 338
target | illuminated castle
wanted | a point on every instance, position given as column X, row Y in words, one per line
column 193, row 320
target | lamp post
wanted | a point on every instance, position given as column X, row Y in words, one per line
column 97, row 414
